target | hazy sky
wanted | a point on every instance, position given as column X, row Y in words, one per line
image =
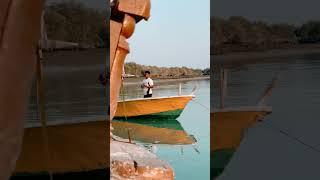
column 278, row 11
column 177, row 34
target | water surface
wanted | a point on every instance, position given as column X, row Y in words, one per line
column 188, row 161
column 72, row 90
column 278, row 148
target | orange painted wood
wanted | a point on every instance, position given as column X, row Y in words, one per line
column 139, row 8
column 228, row 127
column 115, row 29
column 150, row 134
column 73, row 148
column 147, row 106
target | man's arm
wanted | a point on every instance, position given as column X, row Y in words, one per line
column 150, row 84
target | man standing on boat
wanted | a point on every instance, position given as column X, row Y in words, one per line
column 147, row 85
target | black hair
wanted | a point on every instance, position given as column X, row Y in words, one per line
column 147, row 72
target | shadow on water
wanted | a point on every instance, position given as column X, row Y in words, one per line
column 153, row 131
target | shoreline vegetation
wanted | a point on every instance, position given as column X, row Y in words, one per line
column 74, row 26
column 238, row 39
column 137, row 81
column 266, row 55
column 134, row 70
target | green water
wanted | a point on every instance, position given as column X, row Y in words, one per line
column 188, row 161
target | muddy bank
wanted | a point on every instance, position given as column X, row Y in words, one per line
column 269, row 55
column 130, row 161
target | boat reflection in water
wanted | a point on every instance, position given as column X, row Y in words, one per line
column 152, row 131
column 228, row 125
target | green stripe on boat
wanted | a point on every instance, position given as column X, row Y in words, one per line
column 174, row 114
column 159, row 120
column 220, row 160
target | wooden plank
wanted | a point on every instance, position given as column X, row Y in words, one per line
column 115, row 29
column 267, row 92
column 74, row 147
column 244, row 108
column 140, row 8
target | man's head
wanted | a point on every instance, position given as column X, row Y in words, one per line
column 147, row 74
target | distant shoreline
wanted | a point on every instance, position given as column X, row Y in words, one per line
column 135, row 81
column 239, row 57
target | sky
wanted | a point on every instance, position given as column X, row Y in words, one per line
column 177, row 34
column 273, row 11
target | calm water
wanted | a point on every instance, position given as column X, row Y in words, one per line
column 73, row 93
column 72, row 90
column 266, row 151
column 185, row 160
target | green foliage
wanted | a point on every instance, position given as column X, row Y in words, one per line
column 309, row 32
column 74, row 22
column 206, row 72
column 239, row 34
column 162, row 72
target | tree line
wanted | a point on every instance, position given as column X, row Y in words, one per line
column 138, row 70
column 239, row 34
column 74, row 22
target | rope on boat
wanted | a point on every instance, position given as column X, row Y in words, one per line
column 195, row 149
column 129, row 136
column 123, row 100
column 201, row 104
column 42, row 111
column 118, row 139
column 4, row 27
column 41, row 98
column 295, row 138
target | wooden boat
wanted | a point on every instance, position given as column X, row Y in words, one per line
column 73, row 150
column 124, row 15
column 19, row 35
column 154, row 131
column 227, row 128
column 152, row 108
column 228, row 124
column 61, row 149
column 122, row 25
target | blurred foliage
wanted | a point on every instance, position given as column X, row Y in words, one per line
column 206, row 72
column 237, row 34
column 309, row 32
column 162, row 72
column 74, row 22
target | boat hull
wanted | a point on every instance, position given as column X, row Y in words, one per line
column 156, row 116
column 227, row 130
column 152, row 108
column 93, row 174
column 68, row 150
column 219, row 160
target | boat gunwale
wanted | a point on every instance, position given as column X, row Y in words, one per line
column 267, row 109
column 156, row 98
column 56, row 123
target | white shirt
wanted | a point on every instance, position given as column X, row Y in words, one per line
column 147, row 82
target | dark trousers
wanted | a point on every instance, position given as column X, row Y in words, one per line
column 147, row 96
